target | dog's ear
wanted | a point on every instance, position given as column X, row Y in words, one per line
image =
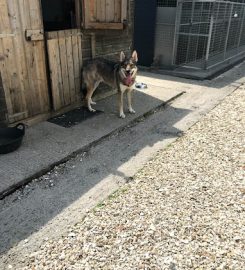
column 135, row 56
column 122, row 56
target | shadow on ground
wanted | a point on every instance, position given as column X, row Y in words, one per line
column 55, row 192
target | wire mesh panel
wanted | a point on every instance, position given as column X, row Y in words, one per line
column 193, row 32
column 164, row 33
column 166, row 3
column 209, row 32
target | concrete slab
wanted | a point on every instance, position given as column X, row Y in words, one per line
column 46, row 145
column 199, row 74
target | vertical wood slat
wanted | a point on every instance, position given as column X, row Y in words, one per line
column 55, row 71
column 124, row 11
column 6, row 80
column 93, row 9
column 110, row 10
column 39, row 63
column 4, row 18
column 76, row 63
column 80, row 57
column 64, row 67
column 13, row 83
column 78, row 13
column 101, row 13
column 117, row 11
column 35, row 14
column 32, row 92
column 30, row 96
column 19, row 57
column 70, row 65
column 5, row 28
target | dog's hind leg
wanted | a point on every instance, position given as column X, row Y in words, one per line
column 89, row 99
column 129, row 95
column 89, row 95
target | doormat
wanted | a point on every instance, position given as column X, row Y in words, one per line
column 73, row 117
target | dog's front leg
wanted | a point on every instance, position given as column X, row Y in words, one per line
column 129, row 95
column 120, row 104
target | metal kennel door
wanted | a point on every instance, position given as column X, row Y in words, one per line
column 208, row 33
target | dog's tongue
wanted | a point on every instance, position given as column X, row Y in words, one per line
column 128, row 80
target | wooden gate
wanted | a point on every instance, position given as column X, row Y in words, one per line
column 65, row 62
column 22, row 59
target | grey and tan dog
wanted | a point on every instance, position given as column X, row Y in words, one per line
column 120, row 75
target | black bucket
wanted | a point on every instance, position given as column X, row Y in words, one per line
column 11, row 138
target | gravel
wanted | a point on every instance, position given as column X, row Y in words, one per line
column 183, row 210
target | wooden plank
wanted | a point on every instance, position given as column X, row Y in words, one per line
column 101, row 15
column 110, row 10
column 92, row 10
column 42, row 81
column 39, row 57
column 5, row 28
column 12, row 74
column 5, row 81
column 86, row 14
column 116, row 26
column 117, row 11
column 78, row 13
column 19, row 55
column 4, row 18
column 35, row 14
column 6, row 35
column 70, row 65
column 10, row 47
column 76, row 62
column 124, row 10
column 79, row 40
column 27, row 58
column 34, row 92
column 64, row 67
column 93, row 45
column 55, row 73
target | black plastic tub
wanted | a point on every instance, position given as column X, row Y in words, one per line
column 11, row 138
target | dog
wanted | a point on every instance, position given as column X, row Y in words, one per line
column 120, row 75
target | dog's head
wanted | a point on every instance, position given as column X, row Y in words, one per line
column 128, row 68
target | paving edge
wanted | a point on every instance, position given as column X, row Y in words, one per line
column 85, row 148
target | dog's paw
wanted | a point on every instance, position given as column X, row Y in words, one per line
column 122, row 115
column 131, row 110
column 93, row 103
column 92, row 110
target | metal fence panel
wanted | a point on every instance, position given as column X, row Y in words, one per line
column 208, row 32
